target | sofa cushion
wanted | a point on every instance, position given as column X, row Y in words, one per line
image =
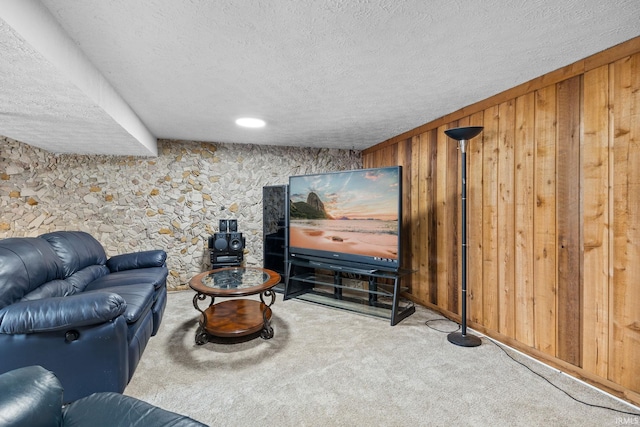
column 72, row 285
column 109, row 409
column 82, row 278
column 31, row 396
column 76, row 250
column 25, row 264
column 138, row 299
column 156, row 276
column 54, row 288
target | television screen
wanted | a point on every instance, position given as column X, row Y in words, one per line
column 349, row 217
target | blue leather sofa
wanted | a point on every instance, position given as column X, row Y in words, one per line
column 66, row 307
column 32, row 396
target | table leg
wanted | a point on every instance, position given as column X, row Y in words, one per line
column 267, row 330
column 201, row 335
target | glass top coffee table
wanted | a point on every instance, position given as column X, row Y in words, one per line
column 235, row 317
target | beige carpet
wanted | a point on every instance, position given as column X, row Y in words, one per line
column 326, row 367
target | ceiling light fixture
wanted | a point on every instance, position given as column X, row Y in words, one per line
column 250, row 122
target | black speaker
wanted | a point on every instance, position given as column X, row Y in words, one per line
column 233, row 225
column 223, row 225
column 220, row 242
column 236, row 242
column 226, row 249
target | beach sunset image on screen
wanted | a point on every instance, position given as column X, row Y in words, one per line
column 353, row 212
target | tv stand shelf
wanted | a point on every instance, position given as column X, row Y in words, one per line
column 367, row 291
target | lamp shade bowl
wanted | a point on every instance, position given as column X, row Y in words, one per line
column 463, row 133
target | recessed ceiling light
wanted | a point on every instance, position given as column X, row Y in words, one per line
column 250, row 122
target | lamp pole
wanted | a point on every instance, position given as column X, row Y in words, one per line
column 463, row 135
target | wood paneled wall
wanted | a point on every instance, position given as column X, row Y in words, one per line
column 554, row 217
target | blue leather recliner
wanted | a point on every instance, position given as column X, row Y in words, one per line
column 66, row 307
column 32, row 396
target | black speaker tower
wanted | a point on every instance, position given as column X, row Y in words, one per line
column 226, row 248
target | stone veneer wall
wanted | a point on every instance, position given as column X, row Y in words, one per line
column 171, row 202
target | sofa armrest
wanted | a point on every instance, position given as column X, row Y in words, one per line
column 109, row 409
column 144, row 259
column 60, row 313
column 30, row 396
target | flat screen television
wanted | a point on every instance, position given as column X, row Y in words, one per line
column 348, row 218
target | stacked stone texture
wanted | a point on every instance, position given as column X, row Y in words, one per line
column 173, row 201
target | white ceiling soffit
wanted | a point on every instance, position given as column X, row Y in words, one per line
column 54, row 98
column 331, row 73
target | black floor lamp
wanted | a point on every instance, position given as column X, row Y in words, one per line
column 462, row 135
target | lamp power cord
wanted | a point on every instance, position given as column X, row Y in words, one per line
column 430, row 321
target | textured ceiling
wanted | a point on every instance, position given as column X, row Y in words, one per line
column 333, row 73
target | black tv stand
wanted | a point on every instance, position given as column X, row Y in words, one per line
column 346, row 268
column 367, row 290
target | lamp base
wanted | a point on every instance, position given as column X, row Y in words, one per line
column 464, row 340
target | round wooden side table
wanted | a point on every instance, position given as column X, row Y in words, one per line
column 234, row 317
